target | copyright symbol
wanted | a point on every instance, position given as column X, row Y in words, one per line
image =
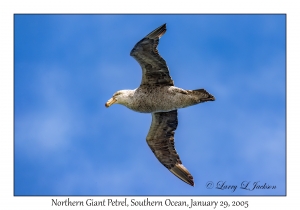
column 209, row 185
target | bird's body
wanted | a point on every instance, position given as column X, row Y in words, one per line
column 148, row 99
column 158, row 95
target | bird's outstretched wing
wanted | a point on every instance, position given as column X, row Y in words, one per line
column 154, row 67
column 161, row 141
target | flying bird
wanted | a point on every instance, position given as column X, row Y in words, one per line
column 158, row 95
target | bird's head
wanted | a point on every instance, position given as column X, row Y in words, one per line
column 120, row 97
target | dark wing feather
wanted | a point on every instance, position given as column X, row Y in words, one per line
column 161, row 141
column 154, row 67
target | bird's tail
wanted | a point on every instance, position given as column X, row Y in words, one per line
column 203, row 95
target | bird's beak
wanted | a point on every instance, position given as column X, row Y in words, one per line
column 110, row 102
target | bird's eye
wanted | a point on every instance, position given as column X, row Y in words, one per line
column 117, row 94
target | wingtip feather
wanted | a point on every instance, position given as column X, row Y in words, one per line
column 182, row 173
column 158, row 32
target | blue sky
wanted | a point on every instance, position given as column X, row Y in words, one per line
column 67, row 66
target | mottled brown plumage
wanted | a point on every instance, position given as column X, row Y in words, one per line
column 154, row 67
column 161, row 141
column 158, row 95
